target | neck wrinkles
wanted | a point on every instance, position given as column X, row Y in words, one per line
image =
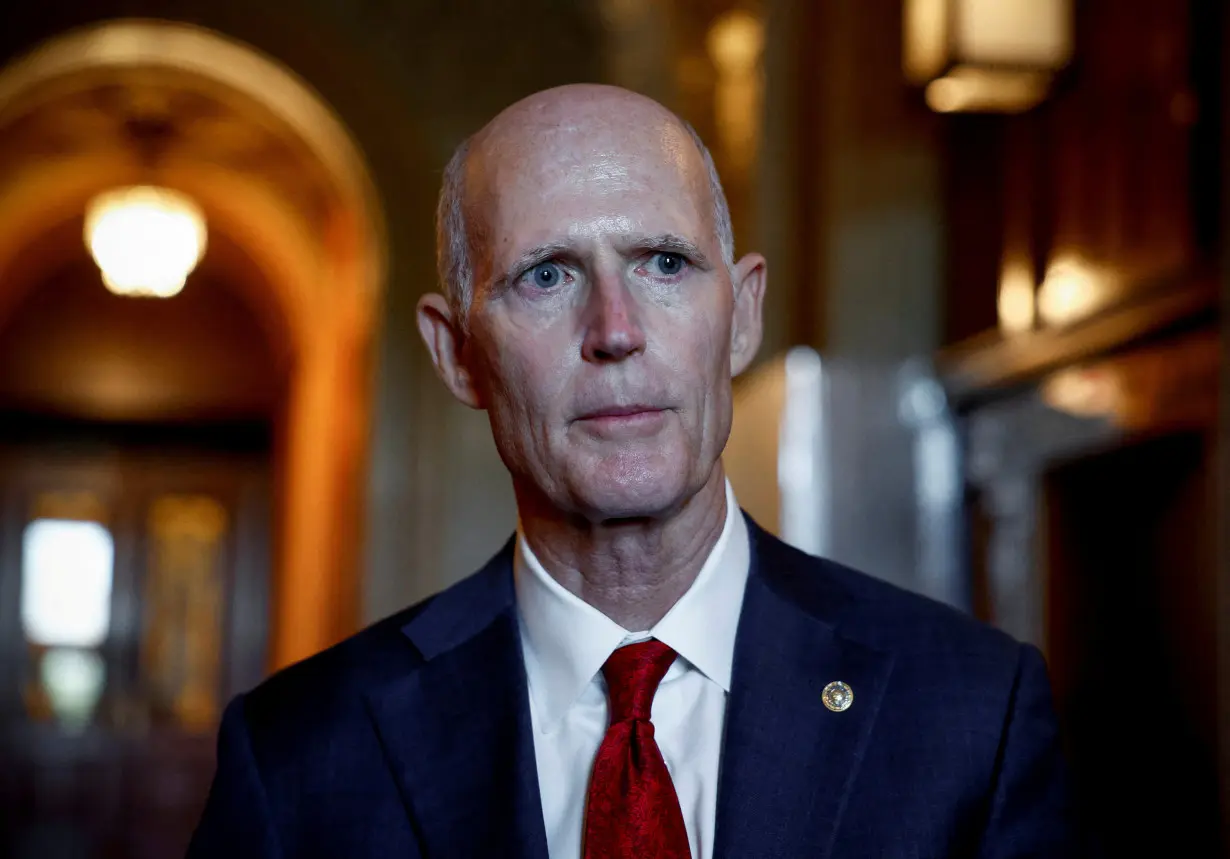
column 631, row 571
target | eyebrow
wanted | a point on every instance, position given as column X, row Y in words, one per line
column 668, row 243
column 661, row 243
column 532, row 257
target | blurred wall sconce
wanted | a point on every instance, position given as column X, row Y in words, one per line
column 987, row 56
column 1071, row 290
column 1016, row 302
column 145, row 239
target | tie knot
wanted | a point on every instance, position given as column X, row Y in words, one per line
column 632, row 676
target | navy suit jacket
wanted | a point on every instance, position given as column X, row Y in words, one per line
column 412, row 739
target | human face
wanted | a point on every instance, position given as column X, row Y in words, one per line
column 604, row 327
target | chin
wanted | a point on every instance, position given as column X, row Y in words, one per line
column 631, row 487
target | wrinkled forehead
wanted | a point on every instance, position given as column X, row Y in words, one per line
column 538, row 180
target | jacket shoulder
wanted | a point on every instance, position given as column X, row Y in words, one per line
column 330, row 685
column 322, row 685
column 879, row 613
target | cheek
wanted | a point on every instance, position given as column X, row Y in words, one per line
column 525, row 381
column 700, row 344
column 703, row 355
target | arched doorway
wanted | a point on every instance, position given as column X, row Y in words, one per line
column 129, row 426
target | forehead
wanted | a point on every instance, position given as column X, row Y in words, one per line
column 588, row 181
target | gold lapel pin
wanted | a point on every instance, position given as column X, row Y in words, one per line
column 837, row 696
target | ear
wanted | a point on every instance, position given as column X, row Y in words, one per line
column 446, row 344
column 747, row 327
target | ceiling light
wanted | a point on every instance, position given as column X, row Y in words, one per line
column 145, row 240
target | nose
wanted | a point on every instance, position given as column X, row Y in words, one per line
column 613, row 331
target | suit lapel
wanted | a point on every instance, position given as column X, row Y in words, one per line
column 789, row 762
column 456, row 730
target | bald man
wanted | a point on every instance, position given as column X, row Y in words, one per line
column 641, row 671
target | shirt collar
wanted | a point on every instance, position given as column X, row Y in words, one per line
column 566, row 641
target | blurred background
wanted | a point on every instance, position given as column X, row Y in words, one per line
column 991, row 371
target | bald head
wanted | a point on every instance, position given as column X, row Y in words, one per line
column 594, row 310
column 586, row 128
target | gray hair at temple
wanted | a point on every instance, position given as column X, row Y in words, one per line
column 457, row 244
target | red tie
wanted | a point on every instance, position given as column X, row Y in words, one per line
column 633, row 811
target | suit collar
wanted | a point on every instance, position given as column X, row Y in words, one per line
column 456, row 730
column 458, row 614
column 788, row 762
column 798, row 580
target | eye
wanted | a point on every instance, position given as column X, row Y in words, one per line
column 669, row 264
column 546, row 275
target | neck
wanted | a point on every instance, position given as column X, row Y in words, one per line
column 631, row 570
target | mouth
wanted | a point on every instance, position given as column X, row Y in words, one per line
column 619, row 412
column 623, row 422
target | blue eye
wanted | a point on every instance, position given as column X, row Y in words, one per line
column 546, row 275
column 669, row 264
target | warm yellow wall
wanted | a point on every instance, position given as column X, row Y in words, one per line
column 751, row 454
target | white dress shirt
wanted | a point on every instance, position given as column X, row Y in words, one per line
column 565, row 642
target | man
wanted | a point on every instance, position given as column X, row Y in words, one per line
column 641, row 672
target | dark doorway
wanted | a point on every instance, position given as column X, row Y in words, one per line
column 1131, row 635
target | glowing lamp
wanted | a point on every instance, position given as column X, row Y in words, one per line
column 996, row 56
column 1072, row 289
column 145, row 240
